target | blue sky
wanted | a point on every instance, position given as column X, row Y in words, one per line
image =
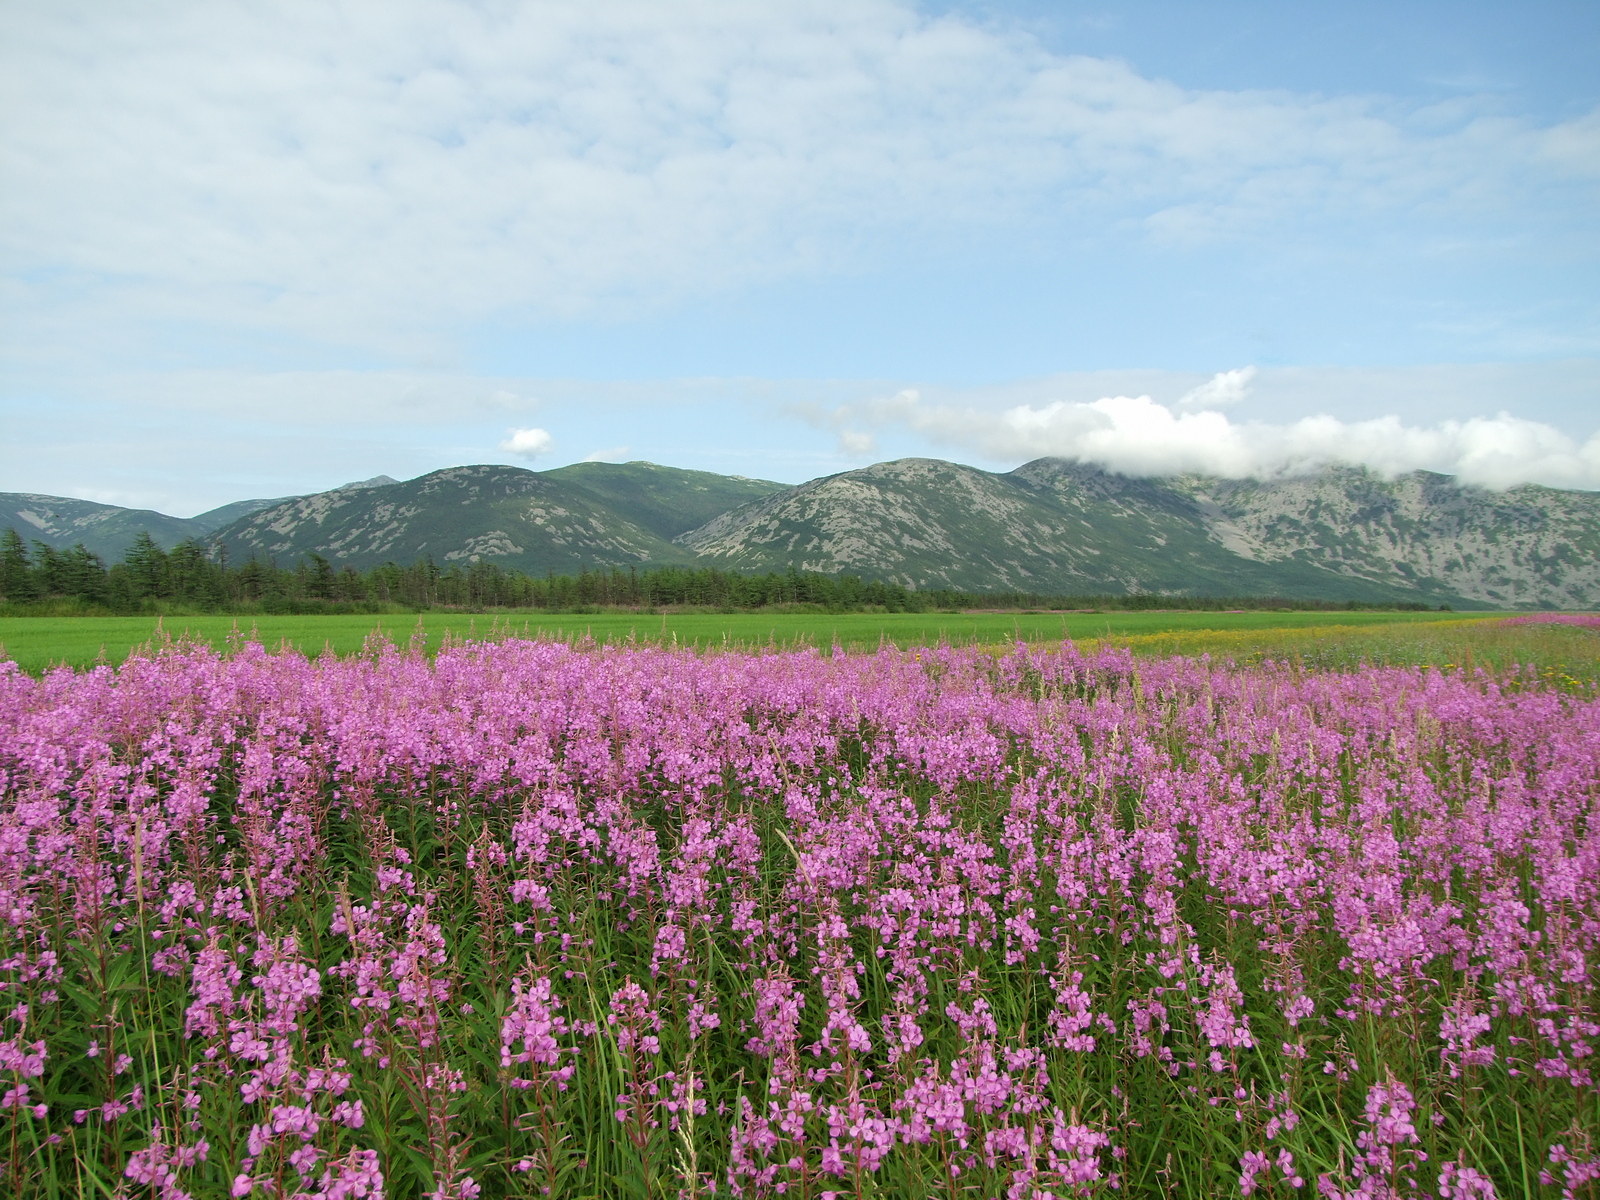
column 264, row 249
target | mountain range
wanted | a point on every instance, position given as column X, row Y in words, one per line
column 1052, row 526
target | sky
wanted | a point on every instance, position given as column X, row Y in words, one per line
column 258, row 249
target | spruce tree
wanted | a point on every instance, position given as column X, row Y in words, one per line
column 17, row 583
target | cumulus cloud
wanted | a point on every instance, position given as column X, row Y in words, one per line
column 1140, row 436
column 527, row 443
column 610, row 454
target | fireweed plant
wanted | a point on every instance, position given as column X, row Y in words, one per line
column 534, row 919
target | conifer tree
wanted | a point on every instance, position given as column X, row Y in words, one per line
column 16, row 571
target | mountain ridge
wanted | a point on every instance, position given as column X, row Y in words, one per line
column 1051, row 525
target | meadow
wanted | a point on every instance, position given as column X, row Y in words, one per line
column 38, row 643
column 521, row 918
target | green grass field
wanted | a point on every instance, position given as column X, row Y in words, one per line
column 39, row 643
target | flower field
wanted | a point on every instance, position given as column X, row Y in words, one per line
column 528, row 918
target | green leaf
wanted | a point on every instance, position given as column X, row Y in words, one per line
column 420, row 1163
column 88, row 1002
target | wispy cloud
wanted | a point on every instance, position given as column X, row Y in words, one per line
column 1222, row 390
column 367, row 175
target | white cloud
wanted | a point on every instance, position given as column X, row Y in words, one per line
column 527, row 443
column 1137, row 435
column 610, row 454
column 317, row 399
column 856, row 444
column 369, row 174
column 1222, row 390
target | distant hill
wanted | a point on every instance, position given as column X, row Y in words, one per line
column 108, row 530
column 514, row 517
column 103, row 528
column 215, row 519
column 1527, row 547
column 1050, row 526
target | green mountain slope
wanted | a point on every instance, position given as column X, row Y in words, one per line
column 665, row 500
column 104, row 529
column 217, row 518
column 108, row 530
column 506, row 515
column 1051, row 526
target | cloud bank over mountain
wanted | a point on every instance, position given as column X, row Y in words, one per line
column 1139, row 436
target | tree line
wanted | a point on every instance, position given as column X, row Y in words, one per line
column 192, row 576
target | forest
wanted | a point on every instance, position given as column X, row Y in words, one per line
column 38, row 577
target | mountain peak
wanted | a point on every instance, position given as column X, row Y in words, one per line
column 375, row 482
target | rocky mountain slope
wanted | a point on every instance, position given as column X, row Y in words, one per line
column 1526, row 547
column 1050, row 526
